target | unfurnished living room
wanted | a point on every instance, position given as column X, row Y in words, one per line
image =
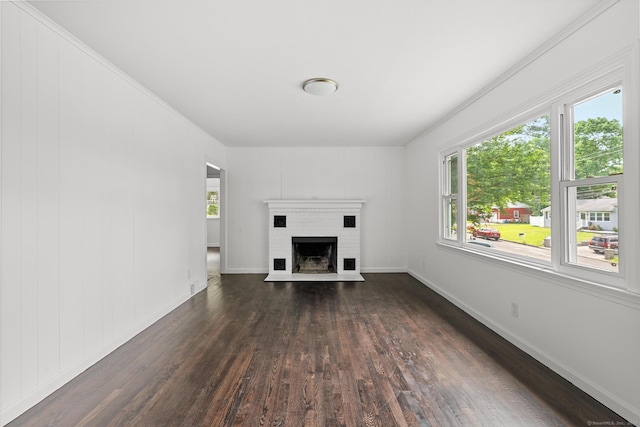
column 292, row 213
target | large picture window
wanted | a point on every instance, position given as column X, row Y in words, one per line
column 508, row 181
column 499, row 191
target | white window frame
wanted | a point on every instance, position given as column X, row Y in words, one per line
column 565, row 258
column 620, row 72
column 449, row 196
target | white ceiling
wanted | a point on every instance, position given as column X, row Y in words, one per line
column 235, row 67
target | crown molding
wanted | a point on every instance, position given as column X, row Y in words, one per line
column 570, row 29
column 35, row 13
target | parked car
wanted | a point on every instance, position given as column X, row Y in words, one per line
column 486, row 233
column 599, row 243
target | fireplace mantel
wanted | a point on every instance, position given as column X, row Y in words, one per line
column 314, row 204
column 337, row 218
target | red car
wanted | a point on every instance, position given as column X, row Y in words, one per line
column 487, row 233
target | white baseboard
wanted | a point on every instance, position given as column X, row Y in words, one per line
column 615, row 403
column 362, row 270
column 383, row 270
column 32, row 398
column 247, row 271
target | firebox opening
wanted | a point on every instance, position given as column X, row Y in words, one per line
column 314, row 255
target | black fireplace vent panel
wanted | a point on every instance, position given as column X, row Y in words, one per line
column 349, row 221
column 349, row 264
column 280, row 264
column 280, row 221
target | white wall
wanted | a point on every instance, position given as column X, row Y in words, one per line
column 102, row 202
column 590, row 337
column 373, row 174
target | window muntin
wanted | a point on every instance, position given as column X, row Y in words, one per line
column 507, row 170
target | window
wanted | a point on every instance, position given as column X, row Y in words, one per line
column 593, row 169
column 510, row 169
column 213, row 204
column 450, row 197
column 597, row 216
column 567, row 161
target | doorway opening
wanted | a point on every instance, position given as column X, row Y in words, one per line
column 215, row 217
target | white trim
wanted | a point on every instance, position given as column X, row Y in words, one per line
column 616, row 70
column 378, row 270
column 30, row 399
column 616, row 403
column 570, row 29
column 544, row 272
column 319, row 204
column 384, row 270
column 540, row 103
column 630, row 206
column 73, row 40
column 241, row 270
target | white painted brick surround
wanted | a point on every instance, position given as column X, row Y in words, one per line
column 314, row 218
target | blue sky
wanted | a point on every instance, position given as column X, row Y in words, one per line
column 608, row 105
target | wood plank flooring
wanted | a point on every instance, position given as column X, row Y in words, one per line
column 385, row 352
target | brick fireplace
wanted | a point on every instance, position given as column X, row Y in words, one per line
column 314, row 240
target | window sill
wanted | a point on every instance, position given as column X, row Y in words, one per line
column 544, row 272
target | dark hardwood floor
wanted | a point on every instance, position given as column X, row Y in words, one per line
column 384, row 352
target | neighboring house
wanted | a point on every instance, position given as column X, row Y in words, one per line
column 592, row 212
column 514, row 212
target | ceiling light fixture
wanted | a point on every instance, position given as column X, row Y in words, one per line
column 320, row 86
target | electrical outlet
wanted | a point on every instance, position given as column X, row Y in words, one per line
column 193, row 288
column 514, row 309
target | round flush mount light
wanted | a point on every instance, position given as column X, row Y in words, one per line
column 320, row 86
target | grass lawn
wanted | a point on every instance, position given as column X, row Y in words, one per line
column 532, row 235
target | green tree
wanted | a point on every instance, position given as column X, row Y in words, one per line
column 515, row 166
column 598, row 147
column 511, row 167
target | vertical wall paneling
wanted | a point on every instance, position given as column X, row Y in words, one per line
column 71, row 206
column 29, row 202
column 117, row 160
column 143, row 220
column 92, row 225
column 369, row 173
column 47, row 166
column 306, row 173
column 10, row 300
column 102, row 208
column 106, row 196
